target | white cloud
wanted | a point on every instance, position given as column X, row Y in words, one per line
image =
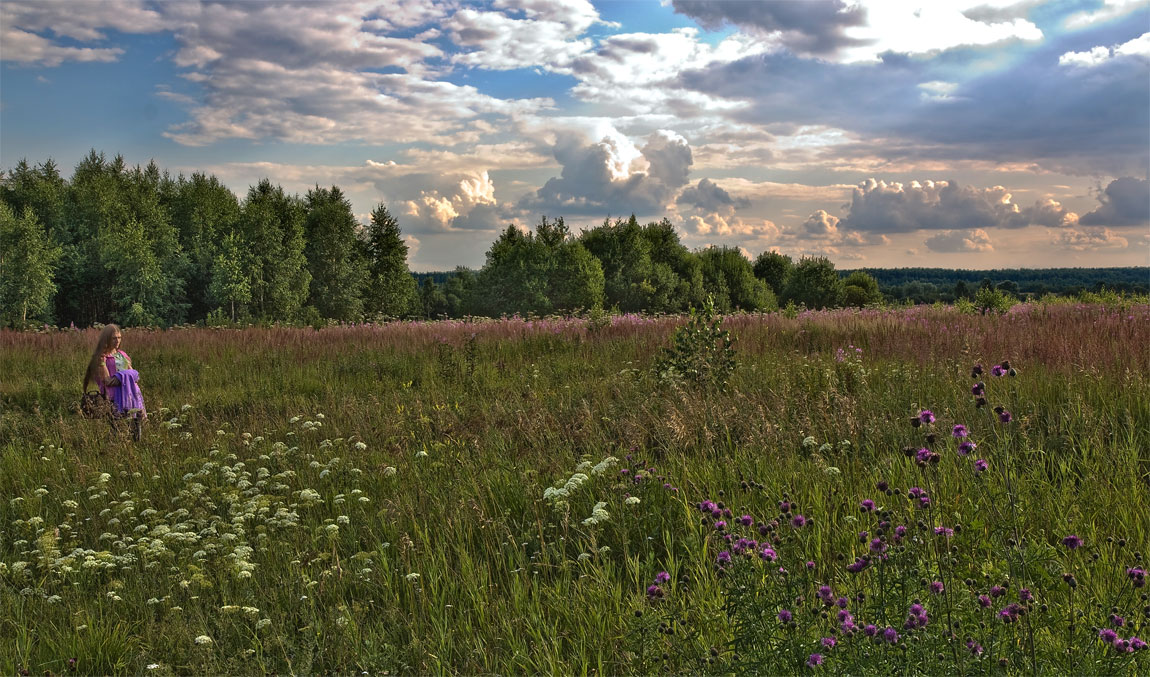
column 1111, row 9
column 499, row 42
column 1138, row 47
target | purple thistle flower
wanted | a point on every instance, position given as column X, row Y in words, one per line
column 1072, row 541
column 1117, row 621
column 867, row 505
column 1107, row 635
column 842, row 603
column 926, row 416
column 829, row 642
column 915, row 492
column 975, row 371
column 984, row 601
column 798, row 521
column 848, row 627
column 975, row 648
column 959, row 431
column 662, row 577
column 654, row 591
column 1005, row 417
column 768, row 555
column 997, row 370
column 943, row 531
column 1137, row 644
column 924, row 501
column 746, row 520
column 978, row 389
column 966, row 447
column 843, row 615
column 997, row 591
column 785, row 616
column 877, row 546
column 981, row 465
column 870, row 630
column 825, row 593
column 858, row 566
column 810, row 564
column 890, row 635
column 936, row 588
column 1025, row 595
column 882, row 486
column 815, row 659
column 724, row 558
column 1137, row 576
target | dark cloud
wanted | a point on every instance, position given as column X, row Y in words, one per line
column 811, row 26
column 1125, row 202
column 881, row 207
column 957, row 241
column 1029, row 109
column 601, row 178
column 708, row 196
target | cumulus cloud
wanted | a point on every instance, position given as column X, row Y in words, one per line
column 548, row 37
column 709, row 196
column 821, row 224
column 31, row 32
column 882, row 207
column 612, row 175
column 957, row 241
column 1083, row 239
column 814, row 26
column 1125, row 202
column 1139, row 47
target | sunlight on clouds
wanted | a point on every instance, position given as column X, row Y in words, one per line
column 1111, row 9
column 1138, row 47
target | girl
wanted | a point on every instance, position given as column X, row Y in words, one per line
column 103, row 369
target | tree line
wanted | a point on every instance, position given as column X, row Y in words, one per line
column 139, row 247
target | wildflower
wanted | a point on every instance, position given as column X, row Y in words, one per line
column 746, row 520
column 203, row 640
column 1025, row 595
column 842, row 603
column 654, row 592
column 870, row 630
column 978, row 389
column 815, row 659
column 877, row 546
column 412, row 577
column 997, row 591
column 1117, row 621
column 998, row 370
column 1005, row 417
column 926, row 416
column 1072, row 541
column 632, row 500
column 984, row 601
column 867, row 505
column 1137, row 577
column 959, row 431
column 662, row 577
column 825, row 593
column 976, row 371
column 975, row 648
column 1010, row 613
column 943, row 531
column 389, row 471
column 723, row 559
column 1107, row 635
column 966, row 447
column 1137, row 644
column 798, row 521
column 785, row 616
column 858, row 566
column 925, row 456
column 890, row 635
column 360, row 446
column 720, row 525
column 829, row 642
column 768, row 555
column 981, row 465
column 936, row 588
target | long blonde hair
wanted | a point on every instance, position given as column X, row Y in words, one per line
column 96, row 366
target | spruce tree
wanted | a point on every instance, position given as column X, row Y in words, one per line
column 27, row 260
column 391, row 290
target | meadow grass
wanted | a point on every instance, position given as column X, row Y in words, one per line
column 500, row 496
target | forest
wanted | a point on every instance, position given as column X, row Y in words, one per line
column 138, row 246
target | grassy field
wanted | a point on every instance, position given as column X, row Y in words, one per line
column 512, row 496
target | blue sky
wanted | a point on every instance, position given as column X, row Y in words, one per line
column 954, row 133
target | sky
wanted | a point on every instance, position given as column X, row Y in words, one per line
column 883, row 133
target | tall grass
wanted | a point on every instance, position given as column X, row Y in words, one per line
column 400, row 522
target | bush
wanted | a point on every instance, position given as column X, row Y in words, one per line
column 700, row 353
column 988, row 300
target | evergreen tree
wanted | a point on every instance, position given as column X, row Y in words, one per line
column 961, row 290
column 391, row 290
column 27, row 260
column 334, row 256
